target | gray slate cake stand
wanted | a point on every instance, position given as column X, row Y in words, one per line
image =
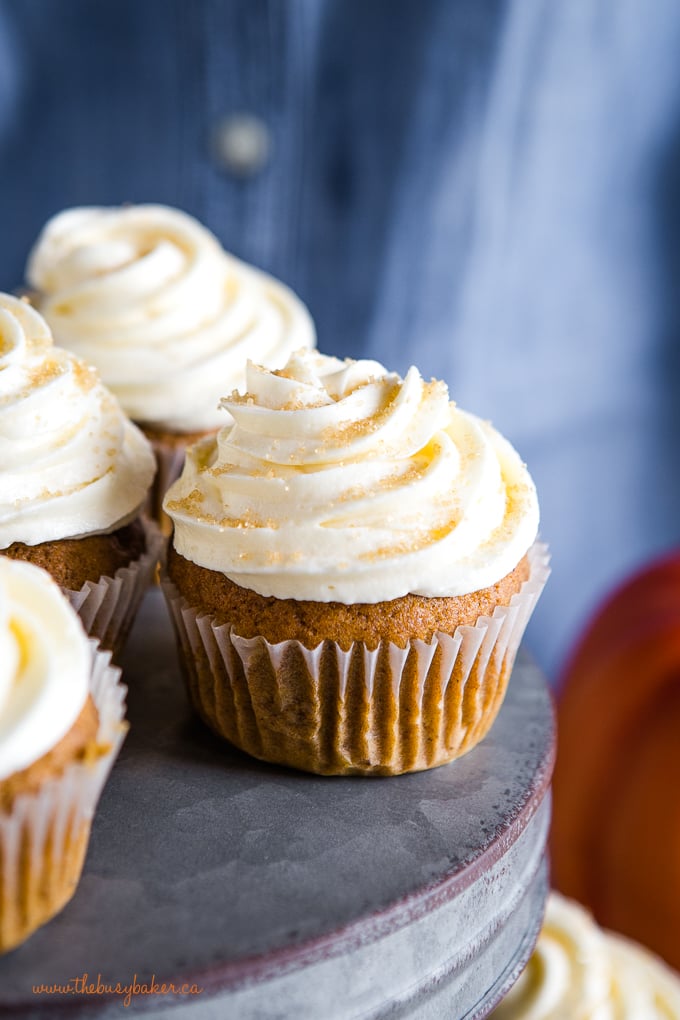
column 285, row 896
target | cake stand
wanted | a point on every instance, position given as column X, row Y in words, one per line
column 286, row 896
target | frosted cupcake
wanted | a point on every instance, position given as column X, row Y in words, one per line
column 61, row 725
column 579, row 970
column 149, row 296
column 74, row 472
column 353, row 565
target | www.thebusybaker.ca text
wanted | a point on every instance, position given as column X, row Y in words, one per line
column 83, row 985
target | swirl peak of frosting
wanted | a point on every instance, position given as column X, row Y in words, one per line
column 44, row 665
column 70, row 461
column 149, row 296
column 341, row 481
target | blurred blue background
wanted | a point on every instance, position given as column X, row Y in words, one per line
column 490, row 190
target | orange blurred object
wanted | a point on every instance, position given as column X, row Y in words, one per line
column 615, row 840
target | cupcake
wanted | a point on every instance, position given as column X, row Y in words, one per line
column 74, row 473
column 61, row 725
column 149, row 296
column 353, row 565
column 578, row 970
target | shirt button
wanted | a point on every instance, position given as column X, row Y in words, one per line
column 241, row 144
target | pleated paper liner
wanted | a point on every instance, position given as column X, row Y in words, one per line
column 384, row 711
column 108, row 607
column 44, row 838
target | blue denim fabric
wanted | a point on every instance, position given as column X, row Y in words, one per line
column 487, row 189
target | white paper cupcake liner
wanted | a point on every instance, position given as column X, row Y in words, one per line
column 43, row 840
column 108, row 606
column 362, row 711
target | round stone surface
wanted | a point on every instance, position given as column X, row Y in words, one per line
column 282, row 895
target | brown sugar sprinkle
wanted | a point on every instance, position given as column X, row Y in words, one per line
column 292, row 404
column 50, row 369
column 395, row 481
column 368, row 381
column 353, row 429
column 297, row 404
column 249, row 520
column 219, row 469
column 46, row 494
column 191, row 503
column 514, row 491
column 240, row 398
column 224, row 469
column 85, row 376
column 434, row 387
column 419, row 540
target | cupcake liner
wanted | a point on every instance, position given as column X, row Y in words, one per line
column 44, row 837
column 108, row 606
column 169, row 464
column 364, row 711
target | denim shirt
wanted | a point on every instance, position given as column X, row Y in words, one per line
column 489, row 190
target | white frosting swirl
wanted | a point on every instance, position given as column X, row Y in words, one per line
column 44, row 665
column 71, row 463
column 579, row 972
column 339, row 481
column 149, row 296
